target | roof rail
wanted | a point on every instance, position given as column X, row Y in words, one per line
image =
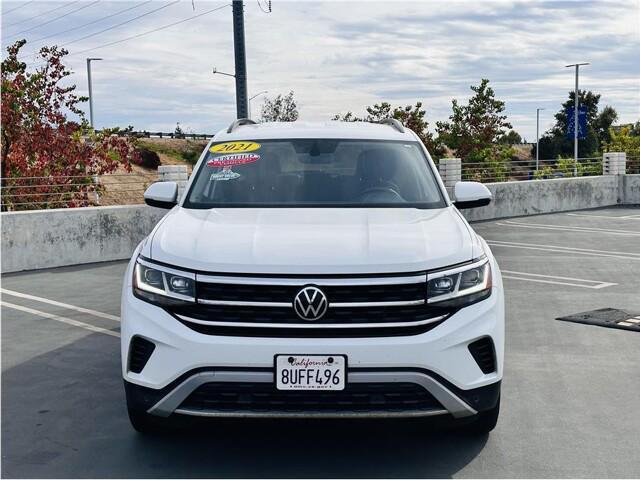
column 239, row 122
column 393, row 123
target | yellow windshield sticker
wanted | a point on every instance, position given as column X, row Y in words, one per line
column 235, row 147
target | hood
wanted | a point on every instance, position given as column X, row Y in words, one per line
column 311, row 240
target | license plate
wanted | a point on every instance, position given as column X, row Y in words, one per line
column 311, row 372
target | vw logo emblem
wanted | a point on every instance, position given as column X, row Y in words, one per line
column 310, row 303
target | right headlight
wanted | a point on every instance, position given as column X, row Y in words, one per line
column 162, row 285
column 460, row 286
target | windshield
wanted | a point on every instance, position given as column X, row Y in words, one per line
column 315, row 173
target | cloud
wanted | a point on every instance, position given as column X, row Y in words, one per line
column 340, row 56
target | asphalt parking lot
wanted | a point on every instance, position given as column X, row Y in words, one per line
column 569, row 400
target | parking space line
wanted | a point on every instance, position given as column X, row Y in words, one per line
column 58, row 318
column 608, row 217
column 543, row 226
column 556, row 280
column 95, row 313
column 559, row 249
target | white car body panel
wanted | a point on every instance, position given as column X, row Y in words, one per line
column 312, row 240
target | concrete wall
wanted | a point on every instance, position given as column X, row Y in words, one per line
column 630, row 189
column 512, row 199
column 69, row 236
column 54, row 238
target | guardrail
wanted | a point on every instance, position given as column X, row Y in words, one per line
column 174, row 135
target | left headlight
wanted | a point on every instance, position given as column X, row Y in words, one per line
column 163, row 285
column 461, row 286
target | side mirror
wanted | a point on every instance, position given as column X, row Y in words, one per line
column 471, row 195
column 162, row 195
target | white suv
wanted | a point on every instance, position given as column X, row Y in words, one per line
column 313, row 269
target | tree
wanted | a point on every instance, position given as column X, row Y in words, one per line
column 280, row 109
column 412, row 117
column 510, row 138
column 623, row 140
column 603, row 122
column 475, row 126
column 38, row 140
column 555, row 143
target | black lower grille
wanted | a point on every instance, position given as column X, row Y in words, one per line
column 335, row 294
column 139, row 353
column 263, row 397
column 325, row 332
column 484, row 354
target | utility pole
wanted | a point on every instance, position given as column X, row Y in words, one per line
column 242, row 103
column 538, row 138
column 576, row 120
column 90, row 94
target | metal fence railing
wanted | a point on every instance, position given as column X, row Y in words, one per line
column 633, row 164
column 68, row 191
column 494, row 170
column 179, row 136
column 43, row 192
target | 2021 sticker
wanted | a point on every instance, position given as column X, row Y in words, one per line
column 234, row 159
column 235, row 147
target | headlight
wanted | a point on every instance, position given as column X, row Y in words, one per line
column 162, row 285
column 460, row 286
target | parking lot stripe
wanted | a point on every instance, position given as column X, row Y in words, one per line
column 95, row 313
column 608, row 217
column 557, row 280
column 559, row 249
column 58, row 318
column 542, row 226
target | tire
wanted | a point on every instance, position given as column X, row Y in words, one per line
column 484, row 422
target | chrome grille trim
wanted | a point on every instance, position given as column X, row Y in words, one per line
column 241, row 303
column 320, row 282
column 312, row 325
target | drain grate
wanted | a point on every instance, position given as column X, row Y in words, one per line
column 607, row 317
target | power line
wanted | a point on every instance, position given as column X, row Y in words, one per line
column 268, row 10
column 18, row 7
column 91, row 23
column 120, row 24
column 57, row 18
column 163, row 27
column 42, row 14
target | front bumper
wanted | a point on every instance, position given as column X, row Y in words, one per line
column 439, row 359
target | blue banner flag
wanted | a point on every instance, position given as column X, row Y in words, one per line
column 582, row 122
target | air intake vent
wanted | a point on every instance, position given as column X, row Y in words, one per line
column 484, row 354
column 139, row 353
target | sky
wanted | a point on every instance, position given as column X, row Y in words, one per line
column 336, row 56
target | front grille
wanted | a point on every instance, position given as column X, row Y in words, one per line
column 139, row 353
column 263, row 397
column 357, row 306
column 484, row 354
column 334, row 293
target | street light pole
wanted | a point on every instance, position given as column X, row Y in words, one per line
column 538, row 138
column 576, row 120
column 90, row 92
column 256, row 95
